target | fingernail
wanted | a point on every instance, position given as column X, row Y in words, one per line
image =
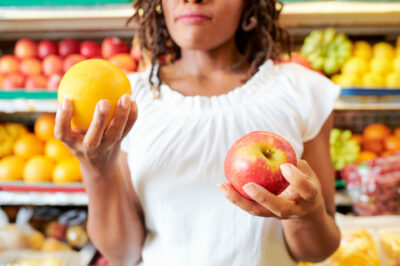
column 125, row 101
column 65, row 104
column 103, row 105
column 223, row 189
column 250, row 189
column 285, row 169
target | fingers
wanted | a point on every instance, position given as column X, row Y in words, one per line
column 117, row 125
column 300, row 181
column 133, row 113
column 278, row 206
column 95, row 132
column 247, row 205
column 62, row 128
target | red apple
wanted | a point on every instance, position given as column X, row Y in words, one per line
column 30, row 66
column 13, row 81
column 52, row 64
column 68, row 46
column 53, row 82
column 136, row 53
column 124, row 61
column 112, row 46
column 90, row 49
column 25, row 48
column 36, row 82
column 9, row 64
column 72, row 60
column 257, row 157
column 300, row 59
column 47, row 47
column 56, row 230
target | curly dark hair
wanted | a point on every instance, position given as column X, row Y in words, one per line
column 265, row 41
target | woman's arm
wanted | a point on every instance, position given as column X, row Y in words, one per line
column 316, row 236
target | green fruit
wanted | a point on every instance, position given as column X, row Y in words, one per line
column 329, row 35
column 307, row 50
column 340, row 38
column 331, row 66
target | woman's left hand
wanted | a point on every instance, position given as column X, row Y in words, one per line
column 301, row 198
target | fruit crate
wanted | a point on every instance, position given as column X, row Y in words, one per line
column 60, row 2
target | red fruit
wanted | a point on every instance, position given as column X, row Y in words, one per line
column 9, row 64
column 124, row 61
column 257, row 157
column 299, row 59
column 46, row 48
column 56, row 230
column 25, row 48
column 13, row 81
column 68, row 46
column 72, row 60
column 90, row 49
column 136, row 53
column 53, row 82
column 30, row 66
column 112, row 46
column 35, row 82
column 52, row 64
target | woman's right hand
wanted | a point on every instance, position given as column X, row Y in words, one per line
column 98, row 149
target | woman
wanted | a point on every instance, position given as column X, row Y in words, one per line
column 155, row 201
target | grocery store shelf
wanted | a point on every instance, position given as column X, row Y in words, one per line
column 348, row 105
column 28, row 102
column 41, row 198
column 101, row 20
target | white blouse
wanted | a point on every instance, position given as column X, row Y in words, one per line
column 176, row 153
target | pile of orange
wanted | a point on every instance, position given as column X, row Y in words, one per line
column 378, row 140
column 40, row 157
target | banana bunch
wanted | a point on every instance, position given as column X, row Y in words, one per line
column 343, row 149
column 9, row 133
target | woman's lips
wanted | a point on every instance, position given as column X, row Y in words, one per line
column 193, row 18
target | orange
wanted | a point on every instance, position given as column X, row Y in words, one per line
column 387, row 153
column 56, row 150
column 392, row 143
column 44, row 127
column 38, row 169
column 375, row 146
column 376, row 132
column 27, row 146
column 67, row 170
column 357, row 138
column 396, row 132
column 11, row 168
column 366, row 156
column 88, row 82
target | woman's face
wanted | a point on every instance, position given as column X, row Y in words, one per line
column 202, row 25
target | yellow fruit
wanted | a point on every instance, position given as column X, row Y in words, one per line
column 11, row 168
column 381, row 65
column 88, row 82
column 336, row 78
column 36, row 240
column 9, row 132
column 67, row 170
column 38, row 169
column 349, row 80
column 373, row 80
column 27, row 146
column 355, row 65
column 44, row 127
column 52, row 244
column 76, row 236
column 56, row 150
column 362, row 49
column 396, row 64
column 383, row 49
column 393, row 80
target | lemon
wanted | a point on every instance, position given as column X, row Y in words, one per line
column 396, row 64
column 383, row 49
column 373, row 80
column 349, row 80
column 336, row 78
column 355, row 65
column 381, row 65
column 362, row 49
column 88, row 82
column 393, row 80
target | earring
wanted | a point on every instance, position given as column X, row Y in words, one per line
column 250, row 24
column 158, row 9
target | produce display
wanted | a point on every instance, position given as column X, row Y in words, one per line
column 390, row 242
column 344, row 149
column 36, row 156
column 256, row 157
column 371, row 66
column 37, row 66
